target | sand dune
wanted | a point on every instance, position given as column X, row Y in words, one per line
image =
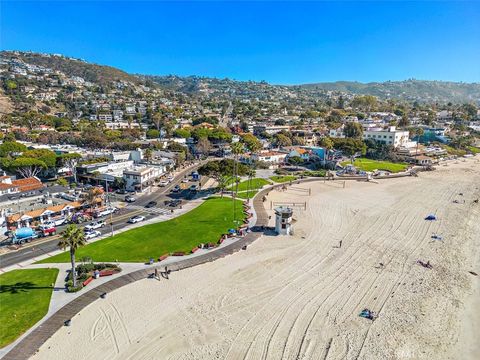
column 298, row 297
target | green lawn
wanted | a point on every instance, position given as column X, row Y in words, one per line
column 283, row 178
column 473, row 149
column 453, row 151
column 256, row 184
column 201, row 225
column 24, row 299
column 370, row 165
column 246, row 194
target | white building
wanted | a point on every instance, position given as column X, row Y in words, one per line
column 105, row 117
column 389, row 136
column 337, row 132
column 141, row 178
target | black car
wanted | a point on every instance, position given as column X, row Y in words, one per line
column 151, row 204
column 175, row 202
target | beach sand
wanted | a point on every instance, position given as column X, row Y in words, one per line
column 298, row 297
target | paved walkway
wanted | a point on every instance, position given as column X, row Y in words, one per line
column 64, row 305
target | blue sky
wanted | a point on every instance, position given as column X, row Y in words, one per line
column 280, row 42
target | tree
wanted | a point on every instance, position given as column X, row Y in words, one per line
column 326, row 143
column 73, row 237
column 153, row 134
column 349, row 146
column 27, row 167
column 9, row 148
column 237, row 149
column 282, row 140
column 295, row 160
column 251, row 142
column 353, row 130
column 45, row 155
column 70, row 160
column 182, row 133
column 148, row 153
column 203, row 146
column 92, row 196
column 404, row 121
column 221, row 170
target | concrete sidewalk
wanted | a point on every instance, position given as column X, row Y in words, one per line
column 60, row 297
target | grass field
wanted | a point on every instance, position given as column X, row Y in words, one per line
column 246, row 194
column 283, row 178
column 370, row 165
column 473, row 149
column 201, row 225
column 256, row 183
column 24, row 300
column 453, row 151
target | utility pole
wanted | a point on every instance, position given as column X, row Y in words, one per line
column 110, row 205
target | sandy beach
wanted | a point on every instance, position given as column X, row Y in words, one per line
column 298, row 297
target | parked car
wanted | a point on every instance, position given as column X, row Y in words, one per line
column 95, row 225
column 57, row 221
column 151, row 204
column 92, row 234
column 130, row 199
column 170, row 178
column 121, row 191
column 175, row 202
column 185, row 180
column 176, row 189
column 193, row 188
column 163, row 183
column 136, row 219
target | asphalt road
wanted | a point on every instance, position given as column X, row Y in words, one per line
column 119, row 219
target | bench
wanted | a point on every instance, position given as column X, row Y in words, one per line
column 163, row 257
column 106, row 273
column 88, row 281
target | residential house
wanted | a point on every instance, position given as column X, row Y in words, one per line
column 389, row 136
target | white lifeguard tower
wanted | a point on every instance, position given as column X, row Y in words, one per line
column 283, row 220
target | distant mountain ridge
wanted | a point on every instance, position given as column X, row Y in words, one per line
column 410, row 89
column 407, row 90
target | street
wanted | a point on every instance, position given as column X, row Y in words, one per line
column 119, row 219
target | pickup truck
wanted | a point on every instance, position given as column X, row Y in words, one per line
column 95, row 225
column 105, row 212
column 47, row 230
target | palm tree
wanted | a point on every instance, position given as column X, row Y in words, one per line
column 237, row 149
column 92, row 196
column 73, row 237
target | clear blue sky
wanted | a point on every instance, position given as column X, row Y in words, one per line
column 280, row 42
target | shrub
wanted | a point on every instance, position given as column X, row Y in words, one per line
column 75, row 289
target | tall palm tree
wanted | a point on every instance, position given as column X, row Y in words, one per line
column 237, row 149
column 73, row 237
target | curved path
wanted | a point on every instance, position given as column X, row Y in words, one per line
column 32, row 342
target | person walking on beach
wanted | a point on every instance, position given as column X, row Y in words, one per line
column 340, row 244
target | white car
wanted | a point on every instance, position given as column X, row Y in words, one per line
column 95, row 225
column 136, row 219
column 185, row 180
column 170, row 178
column 92, row 234
column 163, row 183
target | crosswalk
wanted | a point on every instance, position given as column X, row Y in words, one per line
column 152, row 210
